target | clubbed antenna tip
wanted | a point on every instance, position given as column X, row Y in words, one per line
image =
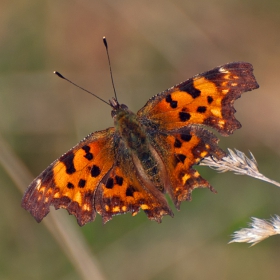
column 58, row 74
column 105, row 42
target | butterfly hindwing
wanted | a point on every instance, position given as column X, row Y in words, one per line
column 123, row 191
column 180, row 150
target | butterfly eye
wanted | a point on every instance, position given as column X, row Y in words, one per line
column 113, row 113
column 123, row 106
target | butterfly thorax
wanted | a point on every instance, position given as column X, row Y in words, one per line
column 136, row 140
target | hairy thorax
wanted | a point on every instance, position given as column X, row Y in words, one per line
column 147, row 161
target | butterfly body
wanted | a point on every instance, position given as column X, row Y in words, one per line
column 136, row 140
column 130, row 166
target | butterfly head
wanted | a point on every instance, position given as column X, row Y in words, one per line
column 117, row 107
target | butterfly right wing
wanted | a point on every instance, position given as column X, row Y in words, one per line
column 71, row 181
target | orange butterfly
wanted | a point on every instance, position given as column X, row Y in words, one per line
column 130, row 166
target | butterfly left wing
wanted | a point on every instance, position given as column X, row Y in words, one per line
column 204, row 99
column 71, row 181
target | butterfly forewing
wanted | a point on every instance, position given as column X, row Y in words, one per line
column 204, row 99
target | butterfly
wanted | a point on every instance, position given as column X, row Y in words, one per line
column 132, row 165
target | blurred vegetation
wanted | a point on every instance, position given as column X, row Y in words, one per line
column 153, row 45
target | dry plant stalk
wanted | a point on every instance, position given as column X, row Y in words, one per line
column 259, row 230
column 240, row 164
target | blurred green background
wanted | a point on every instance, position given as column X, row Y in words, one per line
column 153, row 45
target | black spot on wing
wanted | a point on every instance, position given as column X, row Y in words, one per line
column 190, row 89
column 67, row 159
column 186, row 137
column 88, row 155
column 184, row 116
column 168, row 98
column 130, row 191
column 173, row 103
column 95, row 171
column 177, row 143
column 81, row 183
column 86, row 148
column 210, row 99
column 180, row 158
column 201, row 109
column 119, row 180
column 110, row 183
column 70, row 185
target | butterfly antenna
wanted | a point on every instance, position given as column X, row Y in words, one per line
column 106, row 46
column 62, row 77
